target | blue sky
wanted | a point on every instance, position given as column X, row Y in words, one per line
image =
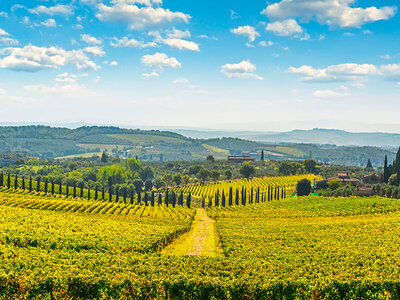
column 242, row 65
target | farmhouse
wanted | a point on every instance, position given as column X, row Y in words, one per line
column 372, row 179
column 344, row 177
column 364, row 192
column 240, row 158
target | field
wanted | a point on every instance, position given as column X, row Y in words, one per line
column 297, row 248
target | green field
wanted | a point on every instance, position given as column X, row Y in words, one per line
column 301, row 248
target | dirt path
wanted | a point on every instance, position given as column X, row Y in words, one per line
column 202, row 238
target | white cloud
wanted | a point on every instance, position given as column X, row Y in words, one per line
column 32, row 59
column 139, row 17
column 3, row 91
column 3, row 32
column 180, row 80
column 69, row 78
column 91, row 40
column 9, row 41
column 95, row 50
column 152, row 74
column 234, row 14
column 204, row 36
column 178, row 34
column 181, row 44
column 58, row 9
column 244, row 69
column 265, row 44
column 125, row 42
column 285, row 28
column 334, row 73
column 3, row 14
column 347, row 72
column 56, row 89
column 160, row 61
column 49, row 23
column 113, row 63
column 387, row 56
column 324, row 94
column 329, row 12
column 248, row 31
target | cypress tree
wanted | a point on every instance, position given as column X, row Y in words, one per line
column 262, row 155
column 216, row 199
column 96, row 192
column 81, row 187
column 132, row 195
column 88, row 193
column 166, row 198
column 180, row 199
column 67, row 190
column 152, row 198
column 145, row 198
column 38, row 185
column 1, row 179
column 125, row 196
column 9, row 181
column 52, row 187
column 173, row 199
column 23, row 183
column 110, row 191
column 45, row 185
column 117, row 194
column 209, row 202
column 103, row 193
column 60, row 189
column 189, row 200
column 251, row 196
column 74, row 195
column 30, row 184
column 223, row 199
column 139, row 197
column 159, row 199
column 16, row 182
column 244, row 196
column 258, row 195
column 237, row 197
column 386, row 171
column 203, row 202
column 230, row 197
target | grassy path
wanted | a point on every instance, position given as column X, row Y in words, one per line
column 202, row 238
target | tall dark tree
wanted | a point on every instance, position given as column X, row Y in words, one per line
column 96, row 192
column 117, row 194
column 166, row 198
column 230, row 199
column 146, row 198
column 110, row 192
column 38, row 185
column 23, row 183
column 46, row 182
column 16, row 182
column 189, row 200
column 369, row 165
column 152, row 198
column 132, row 190
column 125, row 195
column 159, row 199
column 67, row 190
column 104, row 157
column 237, row 197
column 52, row 187
column 303, row 187
column 9, row 181
column 386, row 171
column 30, row 184
column 81, row 187
column 88, row 193
column 262, row 155
column 223, row 199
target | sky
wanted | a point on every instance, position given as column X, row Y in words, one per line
column 233, row 65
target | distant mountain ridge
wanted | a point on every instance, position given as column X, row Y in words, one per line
column 314, row 136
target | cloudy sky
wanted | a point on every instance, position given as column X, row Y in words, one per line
column 210, row 64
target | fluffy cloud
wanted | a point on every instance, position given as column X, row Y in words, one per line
column 160, row 61
column 326, row 94
column 329, row 12
column 139, row 17
column 8, row 41
column 347, row 72
column 132, row 43
column 334, row 73
column 58, row 9
column 149, row 75
column 248, row 31
column 95, row 50
column 265, row 44
column 49, row 23
column 91, row 40
column 244, row 69
column 32, row 59
column 3, row 32
column 69, row 78
column 178, row 34
column 181, row 44
column 285, row 28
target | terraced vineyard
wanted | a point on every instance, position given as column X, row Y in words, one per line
column 300, row 248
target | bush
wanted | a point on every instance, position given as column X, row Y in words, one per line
column 303, row 187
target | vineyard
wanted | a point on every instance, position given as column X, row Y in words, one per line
column 255, row 189
column 295, row 248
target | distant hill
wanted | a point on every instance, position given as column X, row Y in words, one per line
column 154, row 145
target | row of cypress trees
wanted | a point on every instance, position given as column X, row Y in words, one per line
column 52, row 188
column 389, row 170
column 243, row 196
